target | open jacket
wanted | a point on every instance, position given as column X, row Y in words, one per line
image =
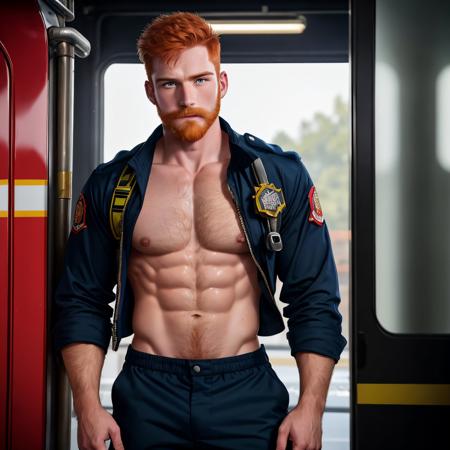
column 95, row 261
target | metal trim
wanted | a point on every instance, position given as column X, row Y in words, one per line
column 61, row 9
column 71, row 36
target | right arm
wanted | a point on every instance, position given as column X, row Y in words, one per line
column 84, row 364
column 82, row 327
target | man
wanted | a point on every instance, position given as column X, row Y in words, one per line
column 195, row 250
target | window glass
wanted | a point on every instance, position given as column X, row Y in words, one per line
column 442, row 115
column 412, row 167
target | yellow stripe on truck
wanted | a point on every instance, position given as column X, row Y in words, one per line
column 402, row 394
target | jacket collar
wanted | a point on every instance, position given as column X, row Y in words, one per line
column 141, row 161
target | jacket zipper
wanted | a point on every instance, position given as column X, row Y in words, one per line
column 115, row 340
column 250, row 246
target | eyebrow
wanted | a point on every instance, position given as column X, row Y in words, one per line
column 193, row 77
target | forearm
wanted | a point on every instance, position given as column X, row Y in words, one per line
column 83, row 363
column 315, row 374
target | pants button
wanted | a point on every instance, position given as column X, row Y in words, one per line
column 196, row 368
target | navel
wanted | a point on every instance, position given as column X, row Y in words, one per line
column 145, row 242
column 196, row 315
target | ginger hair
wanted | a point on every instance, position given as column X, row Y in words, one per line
column 168, row 34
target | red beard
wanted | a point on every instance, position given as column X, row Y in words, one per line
column 190, row 130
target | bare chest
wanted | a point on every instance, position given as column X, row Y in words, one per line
column 181, row 210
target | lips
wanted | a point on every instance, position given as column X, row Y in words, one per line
column 191, row 112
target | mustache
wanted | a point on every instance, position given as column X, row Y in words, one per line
column 188, row 111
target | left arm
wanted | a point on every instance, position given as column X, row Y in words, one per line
column 304, row 422
column 315, row 375
column 310, row 288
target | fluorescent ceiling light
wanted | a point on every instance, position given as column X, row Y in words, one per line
column 259, row 27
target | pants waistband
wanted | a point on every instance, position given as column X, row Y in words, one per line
column 197, row 366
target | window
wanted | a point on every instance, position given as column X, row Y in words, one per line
column 412, row 165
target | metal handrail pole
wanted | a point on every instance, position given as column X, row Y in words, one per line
column 69, row 42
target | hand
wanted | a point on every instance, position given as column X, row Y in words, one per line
column 95, row 426
column 303, row 425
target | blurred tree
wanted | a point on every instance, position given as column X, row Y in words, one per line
column 324, row 146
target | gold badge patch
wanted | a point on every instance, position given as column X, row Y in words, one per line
column 316, row 213
column 79, row 216
column 269, row 200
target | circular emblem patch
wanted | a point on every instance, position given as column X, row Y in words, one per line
column 79, row 216
column 316, row 213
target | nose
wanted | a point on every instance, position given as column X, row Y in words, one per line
column 186, row 96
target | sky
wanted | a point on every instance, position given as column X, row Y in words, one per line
column 262, row 99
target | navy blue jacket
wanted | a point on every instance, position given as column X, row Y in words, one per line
column 95, row 262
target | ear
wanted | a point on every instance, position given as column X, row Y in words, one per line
column 223, row 83
column 150, row 91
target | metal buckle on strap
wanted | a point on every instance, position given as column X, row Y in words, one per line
column 273, row 241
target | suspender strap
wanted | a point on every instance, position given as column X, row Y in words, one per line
column 121, row 195
column 273, row 240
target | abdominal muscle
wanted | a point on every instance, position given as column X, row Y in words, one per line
column 194, row 304
column 193, row 278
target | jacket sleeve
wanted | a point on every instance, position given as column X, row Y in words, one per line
column 82, row 313
column 307, row 270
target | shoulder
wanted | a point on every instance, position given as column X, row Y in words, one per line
column 117, row 163
column 285, row 165
column 268, row 149
column 108, row 172
column 102, row 180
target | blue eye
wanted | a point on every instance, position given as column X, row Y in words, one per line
column 168, row 84
column 201, row 80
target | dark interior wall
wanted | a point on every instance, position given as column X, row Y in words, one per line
column 113, row 28
column 200, row 6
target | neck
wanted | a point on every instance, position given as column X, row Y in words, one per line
column 212, row 147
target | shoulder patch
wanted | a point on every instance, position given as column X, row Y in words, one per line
column 79, row 216
column 316, row 213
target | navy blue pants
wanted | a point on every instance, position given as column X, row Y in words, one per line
column 231, row 403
